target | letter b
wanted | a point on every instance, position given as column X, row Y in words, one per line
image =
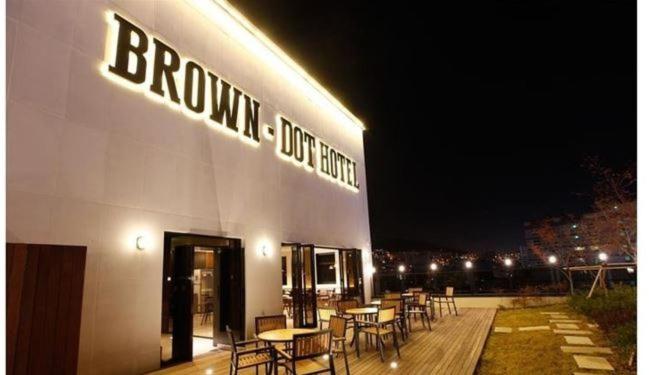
column 125, row 50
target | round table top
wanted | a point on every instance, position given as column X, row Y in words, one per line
column 283, row 335
column 378, row 303
column 407, row 295
column 362, row 310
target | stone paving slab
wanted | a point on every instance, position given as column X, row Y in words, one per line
column 578, row 340
column 551, row 313
column 593, row 363
column 559, row 317
column 572, row 332
column 586, row 350
column 592, row 325
column 566, row 326
column 565, row 321
column 503, row 329
column 534, row 328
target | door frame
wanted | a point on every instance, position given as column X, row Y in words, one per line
column 297, row 289
column 234, row 244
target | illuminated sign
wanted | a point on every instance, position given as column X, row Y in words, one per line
column 147, row 64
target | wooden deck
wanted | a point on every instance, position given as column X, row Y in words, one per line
column 453, row 347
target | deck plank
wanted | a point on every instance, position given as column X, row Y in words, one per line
column 453, row 347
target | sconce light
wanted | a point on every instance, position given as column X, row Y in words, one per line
column 264, row 250
column 141, row 243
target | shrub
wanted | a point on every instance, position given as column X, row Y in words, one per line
column 615, row 312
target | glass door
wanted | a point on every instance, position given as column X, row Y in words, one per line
column 303, row 285
column 351, row 274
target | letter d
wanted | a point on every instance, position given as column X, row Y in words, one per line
column 125, row 50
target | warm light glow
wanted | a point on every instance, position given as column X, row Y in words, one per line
column 209, row 371
column 234, row 24
column 372, row 270
column 433, row 267
column 325, row 357
column 552, row 259
column 393, row 364
column 602, row 256
column 264, row 250
column 141, row 243
column 402, row 268
column 508, row 262
column 468, row 264
column 630, row 270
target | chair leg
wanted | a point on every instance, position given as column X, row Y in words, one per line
column 332, row 368
column 454, row 307
column 345, row 358
column 395, row 342
column 379, row 343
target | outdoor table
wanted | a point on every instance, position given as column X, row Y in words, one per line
column 283, row 335
column 360, row 311
column 377, row 303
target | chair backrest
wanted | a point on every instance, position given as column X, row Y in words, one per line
column 386, row 315
column 449, row 291
column 268, row 323
column 422, row 297
column 392, row 295
column 346, row 304
column 311, row 345
column 324, row 313
column 396, row 303
column 337, row 325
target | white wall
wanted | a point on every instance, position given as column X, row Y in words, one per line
column 91, row 163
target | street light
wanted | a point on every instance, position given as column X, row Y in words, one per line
column 402, row 268
column 602, row 256
column 508, row 262
column 468, row 264
column 433, row 267
column 372, row 270
column 552, row 259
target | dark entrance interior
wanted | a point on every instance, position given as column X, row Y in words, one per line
column 202, row 292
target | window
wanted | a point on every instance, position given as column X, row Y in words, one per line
column 284, row 281
column 326, row 267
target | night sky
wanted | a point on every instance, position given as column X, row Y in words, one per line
column 480, row 114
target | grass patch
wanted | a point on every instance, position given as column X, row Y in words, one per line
column 537, row 352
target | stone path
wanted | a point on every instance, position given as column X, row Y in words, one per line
column 578, row 340
column 503, row 329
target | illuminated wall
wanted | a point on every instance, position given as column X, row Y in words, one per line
column 91, row 162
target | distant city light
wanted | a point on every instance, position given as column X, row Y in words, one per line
column 433, row 267
column 402, row 268
column 574, row 226
column 552, row 259
column 576, row 237
column 508, row 262
column 468, row 264
column 615, row 207
column 603, row 257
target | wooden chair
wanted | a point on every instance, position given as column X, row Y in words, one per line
column 384, row 326
column 269, row 323
column 338, row 326
column 242, row 358
column 392, row 295
column 324, row 314
column 344, row 305
column 447, row 298
column 399, row 317
column 309, row 346
column 419, row 308
column 287, row 306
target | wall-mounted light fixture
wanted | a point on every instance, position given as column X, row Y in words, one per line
column 264, row 250
column 141, row 243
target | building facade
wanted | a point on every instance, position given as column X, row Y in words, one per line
column 138, row 128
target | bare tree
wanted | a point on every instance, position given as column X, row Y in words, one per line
column 614, row 222
column 558, row 241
